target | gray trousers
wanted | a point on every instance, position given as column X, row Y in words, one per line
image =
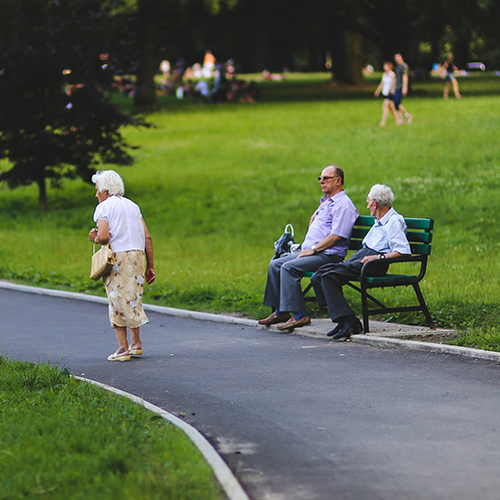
column 329, row 279
column 283, row 286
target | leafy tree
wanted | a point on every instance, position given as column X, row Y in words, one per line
column 56, row 120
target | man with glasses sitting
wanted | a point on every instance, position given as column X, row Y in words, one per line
column 326, row 242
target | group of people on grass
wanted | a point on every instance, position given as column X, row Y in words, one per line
column 210, row 82
column 394, row 86
column 120, row 224
column 219, row 90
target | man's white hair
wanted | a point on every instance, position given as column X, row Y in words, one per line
column 382, row 194
column 110, row 181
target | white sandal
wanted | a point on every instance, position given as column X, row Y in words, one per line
column 122, row 356
column 134, row 352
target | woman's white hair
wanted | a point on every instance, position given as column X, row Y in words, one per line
column 382, row 194
column 110, row 181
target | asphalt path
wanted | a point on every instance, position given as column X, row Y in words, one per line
column 294, row 417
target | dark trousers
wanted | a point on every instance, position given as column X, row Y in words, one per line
column 283, row 288
column 329, row 279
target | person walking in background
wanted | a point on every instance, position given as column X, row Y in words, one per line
column 449, row 69
column 327, row 241
column 401, row 89
column 120, row 223
column 387, row 87
column 386, row 239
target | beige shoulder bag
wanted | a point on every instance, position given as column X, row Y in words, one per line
column 102, row 262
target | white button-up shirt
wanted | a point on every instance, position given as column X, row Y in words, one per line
column 388, row 234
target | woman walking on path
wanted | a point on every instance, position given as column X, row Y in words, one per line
column 449, row 69
column 387, row 86
column 120, row 223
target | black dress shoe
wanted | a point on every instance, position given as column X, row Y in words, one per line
column 351, row 326
column 336, row 330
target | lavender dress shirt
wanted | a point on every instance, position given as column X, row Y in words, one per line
column 335, row 215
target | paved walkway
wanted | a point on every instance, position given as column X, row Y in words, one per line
column 295, row 417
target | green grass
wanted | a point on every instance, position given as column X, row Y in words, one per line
column 61, row 438
column 217, row 184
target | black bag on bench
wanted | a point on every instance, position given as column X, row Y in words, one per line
column 285, row 242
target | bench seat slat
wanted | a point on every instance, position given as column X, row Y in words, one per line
column 390, row 279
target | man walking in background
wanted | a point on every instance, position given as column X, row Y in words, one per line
column 401, row 88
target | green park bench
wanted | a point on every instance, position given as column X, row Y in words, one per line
column 420, row 236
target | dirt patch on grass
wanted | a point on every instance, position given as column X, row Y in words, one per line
column 441, row 338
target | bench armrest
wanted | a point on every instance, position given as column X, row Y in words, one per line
column 365, row 270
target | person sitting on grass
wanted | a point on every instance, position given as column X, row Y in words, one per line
column 386, row 239
column 327, row 241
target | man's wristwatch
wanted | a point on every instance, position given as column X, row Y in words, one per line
column 382, row 256
column 313, row 248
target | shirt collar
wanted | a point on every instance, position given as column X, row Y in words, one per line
column 332, row 198
column 385, row 219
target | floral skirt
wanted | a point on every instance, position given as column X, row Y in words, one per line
column 124, row 286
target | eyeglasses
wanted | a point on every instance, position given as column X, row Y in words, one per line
column 327, row 178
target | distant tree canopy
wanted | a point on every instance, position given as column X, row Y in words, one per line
column 59, row 58
column 274, row 34
column 55, row 118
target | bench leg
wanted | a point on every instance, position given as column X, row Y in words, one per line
column 306, row 289
column 423, row 305
column 364, row 304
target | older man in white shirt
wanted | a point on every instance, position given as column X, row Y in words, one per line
column 386, row 238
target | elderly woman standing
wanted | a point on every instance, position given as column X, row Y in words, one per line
column 120, row 223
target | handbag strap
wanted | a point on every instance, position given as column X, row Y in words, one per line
column 93, row 246
column 288, row 231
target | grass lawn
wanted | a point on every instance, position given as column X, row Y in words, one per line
column 65, row 439
column 217, row 184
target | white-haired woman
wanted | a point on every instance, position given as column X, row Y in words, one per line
column 120, row 223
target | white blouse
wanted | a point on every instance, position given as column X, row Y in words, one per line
column 126, row 229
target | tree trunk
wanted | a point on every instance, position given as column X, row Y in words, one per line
column 42, row 194
column 347, row 57
column 261, row 52
column 145, row 91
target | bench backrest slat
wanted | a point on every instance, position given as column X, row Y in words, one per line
column 419, row 233
column 425, row 224
column 420, row 249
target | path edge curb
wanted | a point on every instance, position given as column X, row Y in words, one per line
column 429, row 347
column 220, row 318
column 227, row 480
column 170, row 311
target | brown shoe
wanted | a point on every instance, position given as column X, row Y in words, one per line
column 273, row 319
column 295, row 323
